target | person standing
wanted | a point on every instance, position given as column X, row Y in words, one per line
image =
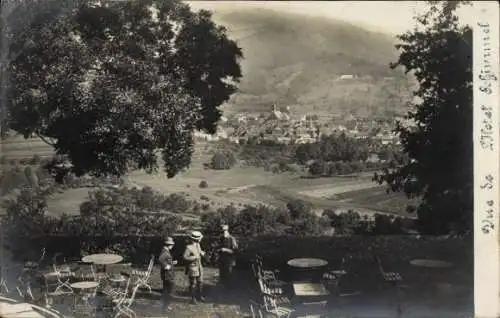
column 167, row 272
column 194, row 269
column 227, row 247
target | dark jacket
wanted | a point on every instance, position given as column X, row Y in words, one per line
column 166, row 261
column 227, row 258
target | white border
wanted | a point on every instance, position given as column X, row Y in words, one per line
column 486, row 161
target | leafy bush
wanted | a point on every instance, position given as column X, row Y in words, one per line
column 35, row 160
column 4, row 160
column 25, row 218
column 31, row 176
column 298, row 209
column 223, row 160
column 203, row 184
column 13, row 178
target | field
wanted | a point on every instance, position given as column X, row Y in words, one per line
column 239, row 185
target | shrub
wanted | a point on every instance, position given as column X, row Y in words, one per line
column 31, row 177
column 318, row 168
column 204, row 198
column 35, row 160
column 298, row 208
column 223, row 160
column 13, row 178
column 203, row 184
column 357, row 166
column 25, row 218
column 4, row 160
column 309, row 224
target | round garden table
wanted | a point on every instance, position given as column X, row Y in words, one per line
column 307, row 269
column 307, row 262
column 431, row 266
column 102, row 259
column 430, row 263
column 87, row 288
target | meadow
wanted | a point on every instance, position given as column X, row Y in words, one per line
column 239, row 185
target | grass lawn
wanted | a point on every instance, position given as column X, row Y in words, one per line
column 67, row 202
column 240, row 185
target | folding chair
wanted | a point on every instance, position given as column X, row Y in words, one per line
column 272, row 307
column 144, row 276
column 3, row 282
column 276, row 293
column 266, row 274
column 123, row 304
column 255, row 309
column 394, row 279
column 116, row 293
column 84, row 310
column 28, row 272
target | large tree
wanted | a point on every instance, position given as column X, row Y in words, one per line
column 438, row 52
column 112, row 86
column 18, row 19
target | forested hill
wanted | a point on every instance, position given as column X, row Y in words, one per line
column 297, row 60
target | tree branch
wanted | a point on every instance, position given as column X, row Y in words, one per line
column 45, row 140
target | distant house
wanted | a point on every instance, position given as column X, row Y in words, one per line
column 346, row 77
column 373, row 157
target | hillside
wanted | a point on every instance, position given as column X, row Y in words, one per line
column 297, row 60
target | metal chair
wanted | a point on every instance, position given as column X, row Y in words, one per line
column 116, row 293
column 28, row 273
column 276, row 293
column 144, row 276
column 394, row 279
column 123, row 304
column 255, row 309
column 272, row 307
column 4, row 288
column 84, row 310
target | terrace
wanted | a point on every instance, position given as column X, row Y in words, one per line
column 356, row 279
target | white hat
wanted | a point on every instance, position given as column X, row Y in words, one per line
column 196, row 235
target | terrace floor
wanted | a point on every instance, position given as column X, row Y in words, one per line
column 370, row 303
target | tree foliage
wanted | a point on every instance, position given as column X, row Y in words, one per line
column 333, row 148
column 223, row 160
column 112, row 86
column 439, row 54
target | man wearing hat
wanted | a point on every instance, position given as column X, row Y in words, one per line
column 227, row 248
column 167, row 271
column 194, row 269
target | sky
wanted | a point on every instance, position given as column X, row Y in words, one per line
column 392, row 17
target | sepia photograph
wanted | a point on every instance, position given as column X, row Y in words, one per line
column 246, row 159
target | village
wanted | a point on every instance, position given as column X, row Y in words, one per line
column 283, row 126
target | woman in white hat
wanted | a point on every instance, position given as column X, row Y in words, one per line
column 167, row 271
column 194, row 269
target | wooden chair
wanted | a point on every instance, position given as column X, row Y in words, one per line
column 144, row 276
